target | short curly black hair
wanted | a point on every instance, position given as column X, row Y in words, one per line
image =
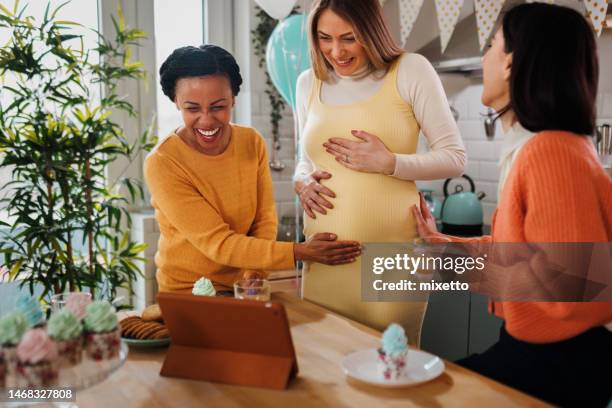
column 192, row 61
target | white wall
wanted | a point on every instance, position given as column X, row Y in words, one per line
column 260, row 120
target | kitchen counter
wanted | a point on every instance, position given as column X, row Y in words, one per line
column 322, row 339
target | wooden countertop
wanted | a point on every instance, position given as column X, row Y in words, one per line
column 322, row 339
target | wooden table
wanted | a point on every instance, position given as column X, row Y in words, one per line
column 322, row 339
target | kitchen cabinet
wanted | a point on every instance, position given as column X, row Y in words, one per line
column 458, row 324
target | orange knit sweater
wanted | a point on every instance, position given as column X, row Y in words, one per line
column 557, row 191
column 216, row 213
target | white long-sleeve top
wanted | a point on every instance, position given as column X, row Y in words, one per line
column 420, row 86
column 514, row 140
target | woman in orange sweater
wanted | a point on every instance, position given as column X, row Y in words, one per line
column 542, row 71
column 211, row 187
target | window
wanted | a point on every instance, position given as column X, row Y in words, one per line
column 84, row 12
column 174, row 27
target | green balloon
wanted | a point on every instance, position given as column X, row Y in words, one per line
column 287, row 55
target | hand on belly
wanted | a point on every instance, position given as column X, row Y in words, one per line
column 313, row 195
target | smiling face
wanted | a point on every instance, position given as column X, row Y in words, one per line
column 206, row 106
column 496, row 66
column 337, row 42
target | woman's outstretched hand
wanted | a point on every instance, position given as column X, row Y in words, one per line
column 312, row 194
column 324, row 248
column 426, row 223
column 370, row 155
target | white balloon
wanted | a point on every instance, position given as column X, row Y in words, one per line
column 277, row 9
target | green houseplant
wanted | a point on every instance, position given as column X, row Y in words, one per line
column 66, row 228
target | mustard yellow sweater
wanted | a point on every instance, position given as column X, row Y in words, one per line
column 216, row 213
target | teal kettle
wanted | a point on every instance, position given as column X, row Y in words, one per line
column 461, row 211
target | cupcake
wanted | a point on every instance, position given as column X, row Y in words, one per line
column 393, row 353
column 37, row 355
column 12, row 328
column 66, row 330
column 102, row 333
column 77, row 302
column 30, row 308
column 2, row 370
column 203, row 287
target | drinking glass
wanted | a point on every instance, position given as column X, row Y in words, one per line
column 59, row 301
column 252, row 289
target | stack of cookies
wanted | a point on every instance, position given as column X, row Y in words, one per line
column 149, row 326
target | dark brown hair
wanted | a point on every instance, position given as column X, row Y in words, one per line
column 371, row 31
column 199, row 61
column 555, row 68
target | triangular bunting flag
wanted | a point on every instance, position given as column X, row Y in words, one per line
column 487, row 12
column 596, row 12
column 448, row 15
column 408, row 13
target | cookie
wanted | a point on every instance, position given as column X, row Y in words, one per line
column 131, row 330
column 128, row 319
column 128, row 324
column 162, row 334
column 143, row 329
column 152, row 314
column 135, row 327
column 150, row 329
column 154, row 331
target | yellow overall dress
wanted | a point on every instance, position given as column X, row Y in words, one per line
column 368, row 207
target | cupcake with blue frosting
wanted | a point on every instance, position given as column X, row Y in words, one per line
column 393, row 353
column 102, row 333
column 30, row 308
column 203, row 287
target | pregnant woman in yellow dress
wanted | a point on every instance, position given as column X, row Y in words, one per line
column 360, row 110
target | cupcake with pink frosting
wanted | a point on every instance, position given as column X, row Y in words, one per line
column 66, row 330
column 102, row 332
column 77, row 303
column 37, row 355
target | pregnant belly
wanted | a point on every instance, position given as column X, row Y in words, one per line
column 368, row 208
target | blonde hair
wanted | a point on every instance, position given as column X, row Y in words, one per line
column 371, row 32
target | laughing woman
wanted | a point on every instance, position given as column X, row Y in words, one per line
column 211, row 186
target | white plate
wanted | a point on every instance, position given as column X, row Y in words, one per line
column 421, row 367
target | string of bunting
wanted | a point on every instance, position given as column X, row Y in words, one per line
column 487, row 13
